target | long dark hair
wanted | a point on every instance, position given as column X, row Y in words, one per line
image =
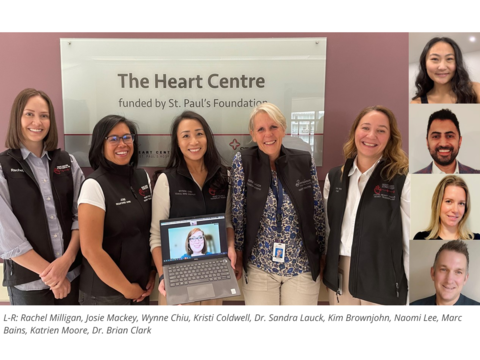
column 211, row 159
column 460, row 82
column 100, row 131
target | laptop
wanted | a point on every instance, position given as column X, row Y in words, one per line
column 195, row 262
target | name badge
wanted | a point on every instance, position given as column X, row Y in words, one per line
column 278, row 252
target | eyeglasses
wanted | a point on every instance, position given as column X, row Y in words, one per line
column 115, row 139
column 196, row 238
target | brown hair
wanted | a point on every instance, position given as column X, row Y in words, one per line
column 455, row 245
column 187, row 244
column 14, row 133
column 396, row 161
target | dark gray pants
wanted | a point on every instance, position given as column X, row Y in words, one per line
column 43, row 297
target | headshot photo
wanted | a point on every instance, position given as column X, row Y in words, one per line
column 444, row 273
column 444, row 138
column 192, row 241
column 279, row 253
column 445, row 207
column 444, row 68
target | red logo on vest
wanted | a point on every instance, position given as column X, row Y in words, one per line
column 142, row 192
column 377, row 189
column 212, row 191
column 61, row 168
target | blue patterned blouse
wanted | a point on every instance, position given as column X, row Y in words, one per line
column 296, row 261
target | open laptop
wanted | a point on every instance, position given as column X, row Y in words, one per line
column 195, row 262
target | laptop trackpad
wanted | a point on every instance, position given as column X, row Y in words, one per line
column 200, row 292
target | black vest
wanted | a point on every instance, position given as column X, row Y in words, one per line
column 128, row 212
column 376, row 270
column 293, row 170
column 29, row 209
column 187, row 199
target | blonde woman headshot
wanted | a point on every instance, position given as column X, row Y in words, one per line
column 450, row 210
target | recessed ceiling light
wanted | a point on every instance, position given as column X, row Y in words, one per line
column 472, row 38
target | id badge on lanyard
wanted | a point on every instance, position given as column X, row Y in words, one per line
column 278, row 247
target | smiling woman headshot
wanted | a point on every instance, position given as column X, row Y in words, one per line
column 451, row 207
column 196, row 244
column 442, row 76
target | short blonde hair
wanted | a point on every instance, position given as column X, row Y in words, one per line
column 437, row 199
column 271, row 110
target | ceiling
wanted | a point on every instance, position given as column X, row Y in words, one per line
column 417, row 42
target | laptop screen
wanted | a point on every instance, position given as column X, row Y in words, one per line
column 193, row 238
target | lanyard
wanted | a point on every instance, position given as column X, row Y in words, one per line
column 279, row 196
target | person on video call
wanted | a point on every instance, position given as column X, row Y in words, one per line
column 449, row 274
column 443, row 142
column 196, row 244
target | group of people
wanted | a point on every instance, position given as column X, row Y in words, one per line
column 443, row 79
column 276, row 217
column 67, row 240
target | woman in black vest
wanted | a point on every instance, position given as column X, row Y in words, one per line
column 368, row 210
column 38, row 202
column 114, row 214
column 442, row 77
column 278, row 216
column 195, row 167
column 451, row 207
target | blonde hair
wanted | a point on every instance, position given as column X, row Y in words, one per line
column 396, row 160
column 271, row 110
column 437, row 199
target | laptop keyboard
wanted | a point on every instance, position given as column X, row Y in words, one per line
column 198, row 272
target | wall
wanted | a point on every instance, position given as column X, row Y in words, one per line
column 363, row 69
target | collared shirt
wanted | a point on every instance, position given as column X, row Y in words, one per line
column 13, row 241
column 357, row 183
column 436, row 169
column 296, row 261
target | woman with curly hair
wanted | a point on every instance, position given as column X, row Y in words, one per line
column 443, row 77
column 367, row 202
